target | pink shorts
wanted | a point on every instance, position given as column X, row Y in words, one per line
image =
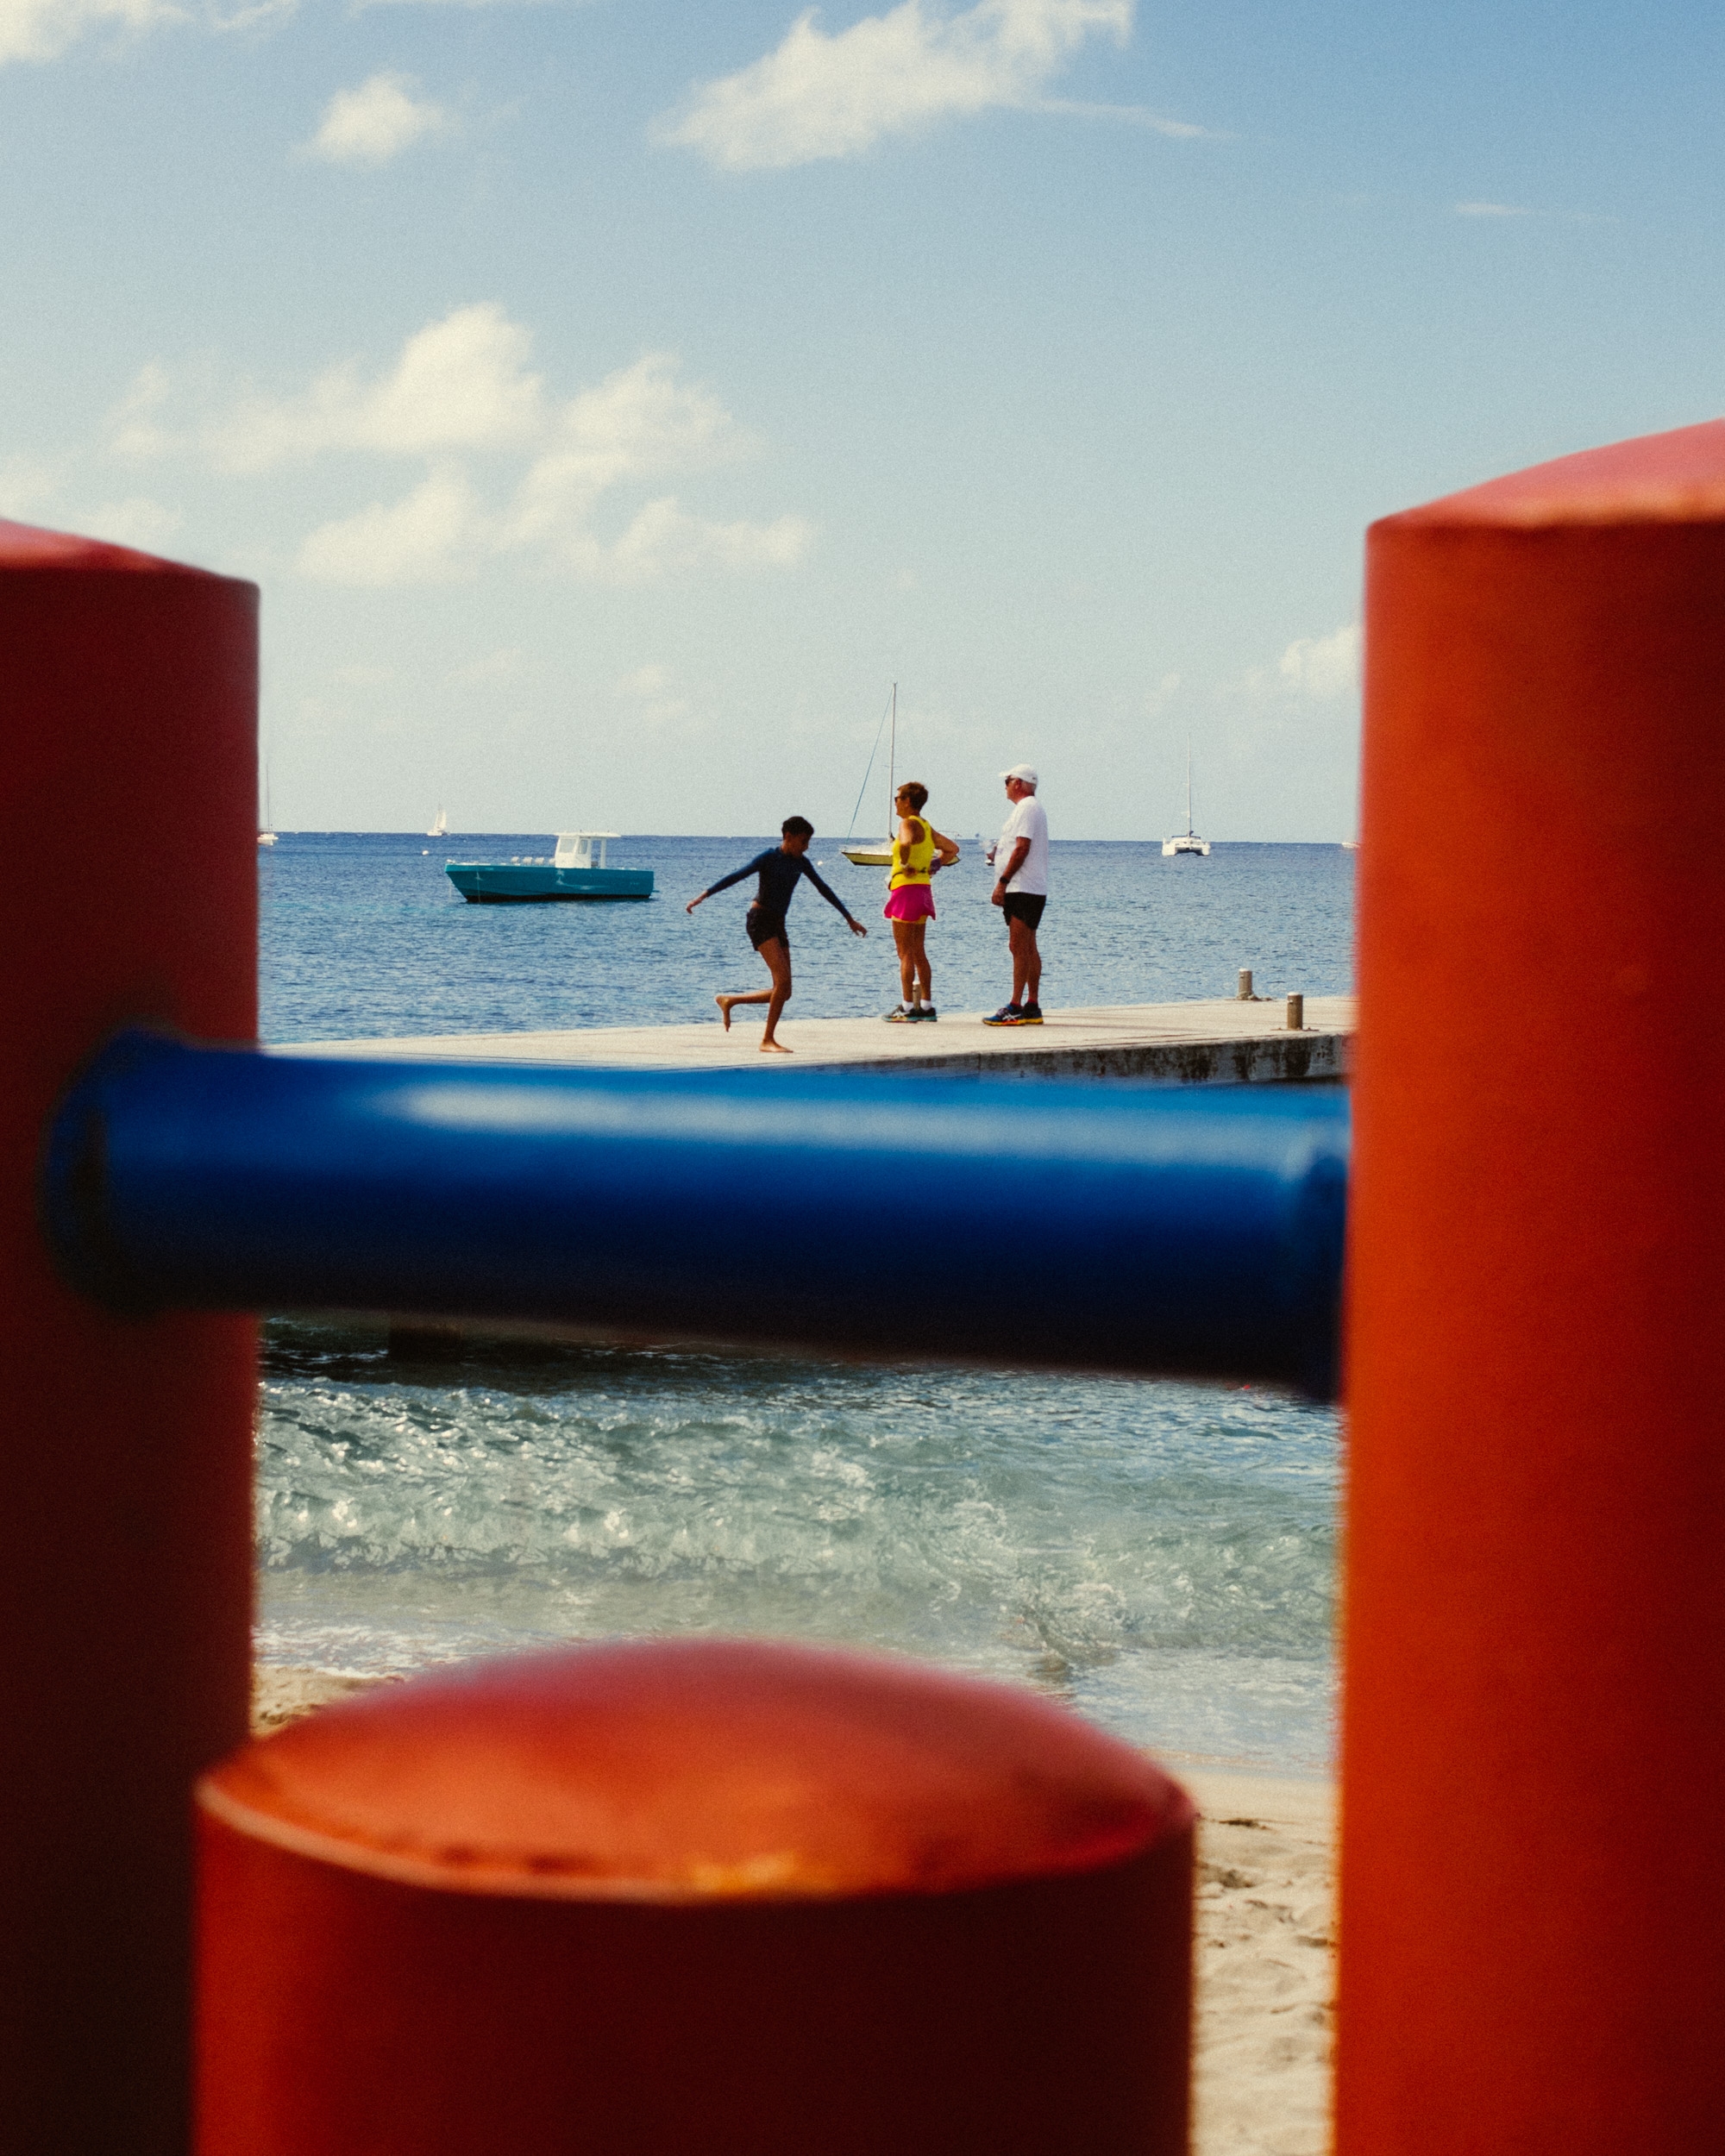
column 911, row 902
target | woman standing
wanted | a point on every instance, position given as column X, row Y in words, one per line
column 910, row 906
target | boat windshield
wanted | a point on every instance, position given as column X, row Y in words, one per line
column 575, row 849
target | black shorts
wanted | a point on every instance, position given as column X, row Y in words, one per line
column 1025, row 906
column 763, row 927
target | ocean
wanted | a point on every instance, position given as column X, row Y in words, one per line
column 1160, row 1555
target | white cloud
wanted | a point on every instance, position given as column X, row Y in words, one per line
column 637, row 422
column 825, row 97
column 1158, row 699
column 1131, row 116
column 426, row 539
column 375, row 123
column 43, row 29
column 506, row 470
column 665, row 540
column 135, row 521
column 650, row 689
column 248, row 18
column 135, row 435
column 441, row 532
column 504, row 665
column 1321, row 667
column 460, row 383
column 463, row 384
column 29, row 487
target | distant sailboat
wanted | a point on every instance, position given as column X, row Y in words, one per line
column 1186, row 842
column 866, row 853
column 266, row 831
column 440, row 827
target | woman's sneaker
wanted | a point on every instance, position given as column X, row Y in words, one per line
column 1008, row 1014
column 1031, row 1015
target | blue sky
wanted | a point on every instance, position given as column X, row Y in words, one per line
column 613, row 399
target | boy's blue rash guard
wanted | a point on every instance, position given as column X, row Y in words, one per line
column 779, row 871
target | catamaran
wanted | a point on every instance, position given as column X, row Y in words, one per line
column 1186, row 842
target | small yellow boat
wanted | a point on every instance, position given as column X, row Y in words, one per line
column 877, row 853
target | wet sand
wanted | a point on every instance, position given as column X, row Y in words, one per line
column 280, row 1696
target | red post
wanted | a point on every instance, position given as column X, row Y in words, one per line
column 1532, row 1888
column 730, row 1897
column 129, row 690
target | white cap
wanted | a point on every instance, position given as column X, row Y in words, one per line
column 1021, row 771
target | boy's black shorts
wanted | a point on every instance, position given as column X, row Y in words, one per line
column 763, row 927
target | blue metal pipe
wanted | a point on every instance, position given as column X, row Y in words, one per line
column 1069, row 1226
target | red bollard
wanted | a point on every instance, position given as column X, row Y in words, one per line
column 128, row 777
column 1533, row 1884
column 704, row 1896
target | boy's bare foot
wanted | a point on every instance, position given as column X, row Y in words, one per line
column 775, row 1048
column 725, row 1004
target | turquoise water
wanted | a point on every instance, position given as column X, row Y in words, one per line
column 1160, row 1555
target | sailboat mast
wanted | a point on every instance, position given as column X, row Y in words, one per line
column 892, row 767
column 1188, row 785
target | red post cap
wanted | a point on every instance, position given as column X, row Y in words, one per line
column 30, row 547
column 129, row 805
column 1532, row 1899
column 737, row 1895
column 1675, row 478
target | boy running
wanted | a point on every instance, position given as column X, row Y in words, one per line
column 780, row 868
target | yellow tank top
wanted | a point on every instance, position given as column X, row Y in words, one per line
column 913, row 863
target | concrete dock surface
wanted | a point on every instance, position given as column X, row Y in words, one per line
column 1222, row 1042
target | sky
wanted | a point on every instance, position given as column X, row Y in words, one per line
column 614, row 398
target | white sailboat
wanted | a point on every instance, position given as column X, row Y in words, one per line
column 869, row 853
column 1186, row 842
column 440, row 827
column 266, row 835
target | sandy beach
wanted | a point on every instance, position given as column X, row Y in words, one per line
column 1265, row 1964
column 1262, row 1947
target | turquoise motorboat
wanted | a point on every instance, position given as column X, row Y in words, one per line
column 570, row 873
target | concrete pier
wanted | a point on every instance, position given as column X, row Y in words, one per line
column 1223, row 1042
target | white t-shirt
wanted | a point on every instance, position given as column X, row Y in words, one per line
column 1029, row 819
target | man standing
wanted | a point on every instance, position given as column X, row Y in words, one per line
column 1020, row 859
